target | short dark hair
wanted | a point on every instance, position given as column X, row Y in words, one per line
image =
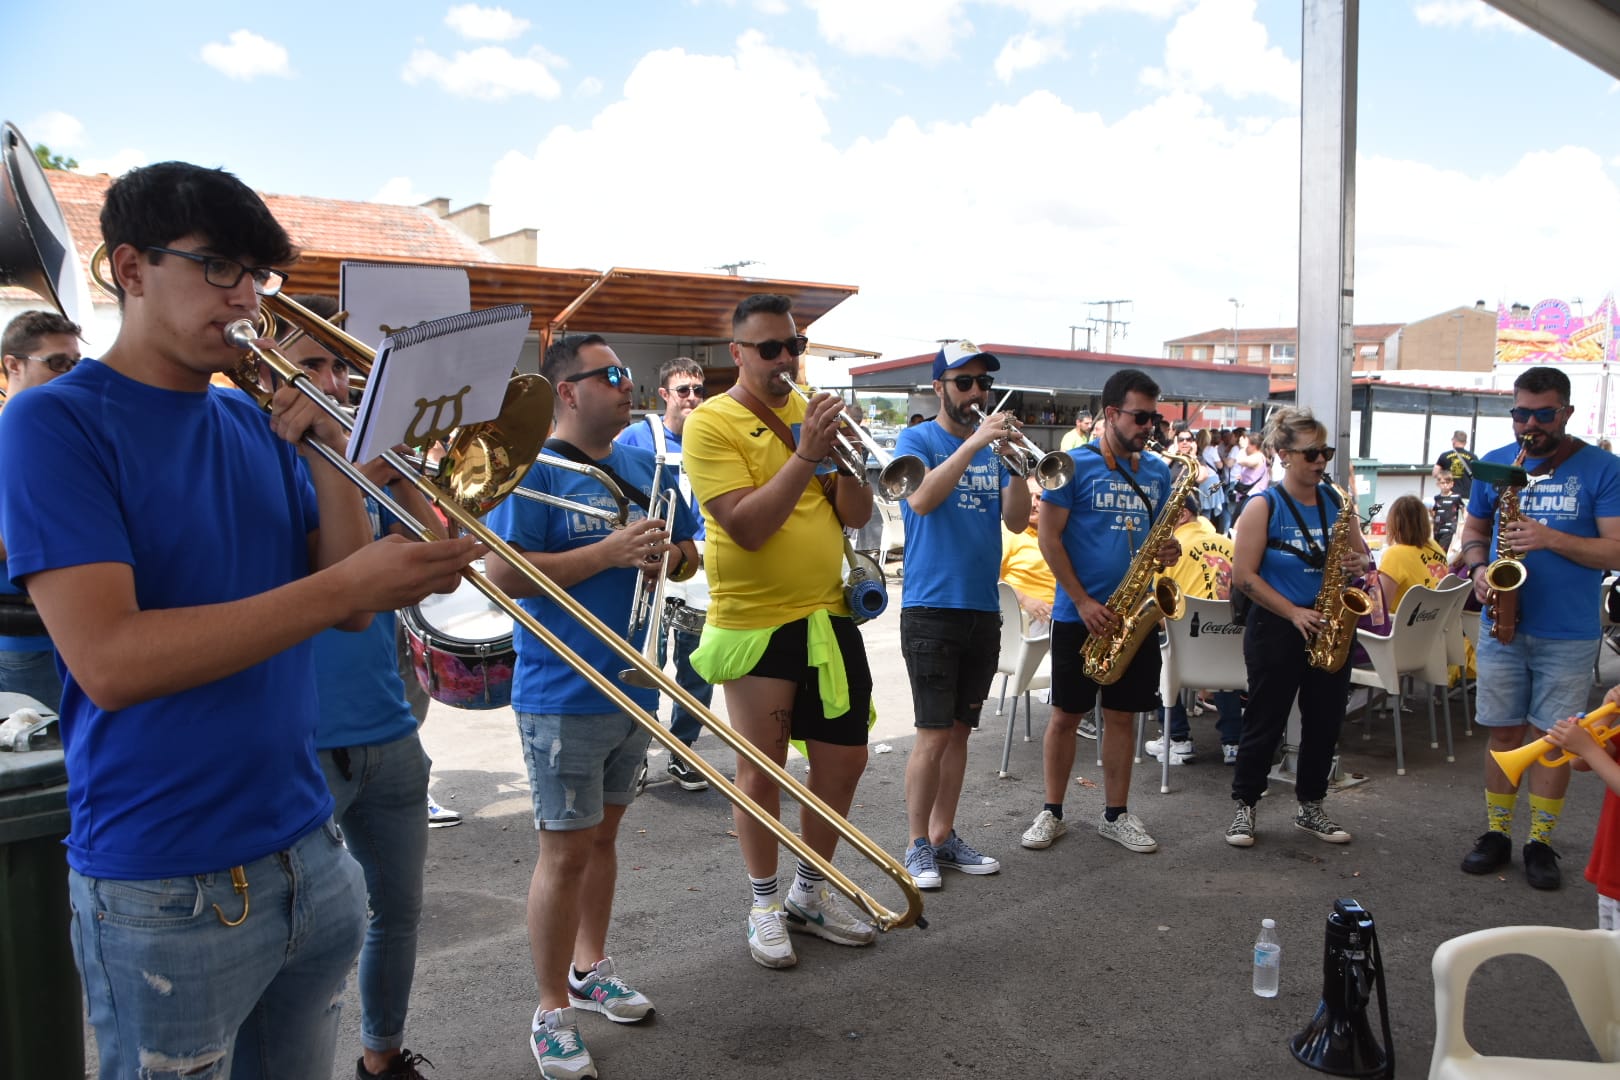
column 1192, row 504
column 324, row 306
column 681, row 365
column 157, row 204
column 1539, row 380
column 562, row 358
column 22, row 334
column 766, row 303
column 1127, row 381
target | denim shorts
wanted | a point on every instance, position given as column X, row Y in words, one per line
column 1137, row 690
column 951, row 656
column 1533, row 680
column 579, row 763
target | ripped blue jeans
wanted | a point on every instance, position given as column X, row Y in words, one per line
column 579, row 763
column 174, row 993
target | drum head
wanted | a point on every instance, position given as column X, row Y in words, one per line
column 465, row 617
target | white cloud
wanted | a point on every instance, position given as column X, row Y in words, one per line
column 1220, row 46
column 246, row 57
column 1474, row 14
column 922, row 30
column 771, row 7
column 400, row 191
column 114, row 164
column 1024, row 52
column 1053, row 12
column 486, row 74
column 589, row 86
column 485, row 24
column 57, row 130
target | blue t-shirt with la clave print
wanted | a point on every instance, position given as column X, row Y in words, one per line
column 953, row 553
column 1107, row 521
column 1578, row 493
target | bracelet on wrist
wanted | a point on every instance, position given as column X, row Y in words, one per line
column 1473, row 567
column 801, row 457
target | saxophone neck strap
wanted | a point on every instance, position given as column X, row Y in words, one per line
column 1316, row 556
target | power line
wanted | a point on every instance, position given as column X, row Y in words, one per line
column 1108, row 322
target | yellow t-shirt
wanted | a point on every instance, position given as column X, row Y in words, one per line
column 1072, row 440
column 725, row 448
column 1408, row 565
column 1205, row 567
column 1024, row 567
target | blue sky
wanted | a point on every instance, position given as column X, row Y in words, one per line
column 979, row 167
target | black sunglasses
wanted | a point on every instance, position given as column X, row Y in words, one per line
column 1311, row 453
column 1544, row 415
column 770, row 350
column 965, row 383
column 61, row 362
column 224, row 273
column 1142, row 416
column 617, row 375
column 693, row 390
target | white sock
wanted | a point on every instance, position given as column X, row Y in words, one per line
column 763, row 892
column 806, row 881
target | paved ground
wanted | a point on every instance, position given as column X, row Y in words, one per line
column 1084, row 960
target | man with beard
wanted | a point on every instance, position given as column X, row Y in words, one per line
column 1089, row 531
column 1568, row 535
column 950, row 628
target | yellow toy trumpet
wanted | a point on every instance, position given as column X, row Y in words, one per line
column 1514, row 762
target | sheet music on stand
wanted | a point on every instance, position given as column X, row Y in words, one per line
column 436, row 376
column 384, row 297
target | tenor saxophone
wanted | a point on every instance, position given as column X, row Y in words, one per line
column 1507, row 572
column 1145, row 595
column 1339, row 603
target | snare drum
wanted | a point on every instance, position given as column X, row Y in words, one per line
column 682, row 616
column 461, row 647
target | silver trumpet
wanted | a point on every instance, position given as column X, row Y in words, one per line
column 647, row 609
column 1053, row 468
column 897, row 476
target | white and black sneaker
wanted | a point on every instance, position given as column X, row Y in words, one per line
column 688, row 778
column 1312, row 820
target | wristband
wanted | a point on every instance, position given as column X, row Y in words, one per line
column 801, row 457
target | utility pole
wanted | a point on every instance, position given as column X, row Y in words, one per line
column 1108, row 322
column 732, row 267
column 1087, row 329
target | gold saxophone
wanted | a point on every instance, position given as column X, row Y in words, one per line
column 1145, row 595
column 1339, row 603
column 1506, row 573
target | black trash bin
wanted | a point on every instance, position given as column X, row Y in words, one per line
column 41, row 1008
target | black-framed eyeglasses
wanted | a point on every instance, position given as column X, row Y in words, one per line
column 770, row 350
column 1186, row 436
column 1544, row 415
column 1311, row 453
column 224, row 273
column 965, row 383
column 61, row 362
column 696, row 390
column 617, row 375
column 1142, row 417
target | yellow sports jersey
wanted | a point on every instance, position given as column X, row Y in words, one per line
column 724, row 448
column 1024, row 567
column 1205, row 567
column 1408, row 565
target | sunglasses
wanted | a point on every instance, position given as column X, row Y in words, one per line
column 617, row 375
column 965, row 383
column 1544, row 415
column 224, row 273
column 1142, row 416
column 1312, row 453
column 696, row 390
column 61, row 363
column 770, row 350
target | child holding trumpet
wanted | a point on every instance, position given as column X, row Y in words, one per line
column 1603, row 868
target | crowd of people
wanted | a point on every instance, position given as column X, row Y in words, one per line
column 255, row 629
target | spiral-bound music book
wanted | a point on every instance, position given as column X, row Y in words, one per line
column 437, row 376
column 384, row 297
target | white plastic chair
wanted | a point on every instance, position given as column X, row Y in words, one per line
column 1416, row 646
column 1605, row 624
column 1195, row 658
column 1024, row 662
column 1587, row 960
column 893, row 538
column 1457, row 650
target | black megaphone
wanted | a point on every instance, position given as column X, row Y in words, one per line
column 1338, row 1040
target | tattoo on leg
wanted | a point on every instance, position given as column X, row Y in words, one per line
column 784, row 727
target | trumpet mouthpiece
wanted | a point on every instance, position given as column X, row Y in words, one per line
column 241, row 333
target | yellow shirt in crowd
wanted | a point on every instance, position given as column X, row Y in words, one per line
column 724, row 448
column 1205, row 567
column 1024, row 568
column 1407, row 565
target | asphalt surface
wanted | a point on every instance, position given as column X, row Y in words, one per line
column 1084, row 960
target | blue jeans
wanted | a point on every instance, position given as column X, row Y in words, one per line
column 32, row 673
column 1533, row 680
column 380, row 792
column 173, row 992
column 682, row 724
column 1229, row 724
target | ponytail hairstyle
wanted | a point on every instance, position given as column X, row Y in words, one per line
column 1289, row 425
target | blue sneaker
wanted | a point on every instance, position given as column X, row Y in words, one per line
column 956, row 854
column 604, row 992
column 921, row 864
column 558, row 1049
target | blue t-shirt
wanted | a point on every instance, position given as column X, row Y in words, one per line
column 1571, row 500
column 1297, row 580
column 1107, row 521
column 207, row 506
column 541, row 682
column 357, row 676
column 640, row 434
column 953, row 554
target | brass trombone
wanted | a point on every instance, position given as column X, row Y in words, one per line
column 1053, row 468
column 897, row 476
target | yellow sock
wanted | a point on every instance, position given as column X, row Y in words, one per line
column 1543, row 816
column 1499, row 811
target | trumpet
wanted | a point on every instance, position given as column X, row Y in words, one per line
column 897, row 476
column 1513, row 763
column 647, row 608
column 1053, row 468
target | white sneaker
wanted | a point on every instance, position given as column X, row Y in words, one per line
column 768, row 937
column 558, row 1049
column 439, row 817
column 1181, row 750
column 1127, row 831
column 1046, row 829
column 825, row 916
column 1229, row 753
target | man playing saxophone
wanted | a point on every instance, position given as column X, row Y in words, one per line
column 1090, row 530
column 1567, row 533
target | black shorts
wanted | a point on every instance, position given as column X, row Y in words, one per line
column 785, row 658
column 1136, row 691
column 951, row 656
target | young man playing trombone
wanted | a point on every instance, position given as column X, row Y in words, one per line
column 950, row 626
column 779, row 636
column 583, row 755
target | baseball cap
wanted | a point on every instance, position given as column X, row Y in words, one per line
column 956, row 353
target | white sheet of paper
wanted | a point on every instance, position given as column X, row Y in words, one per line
column 398, row 295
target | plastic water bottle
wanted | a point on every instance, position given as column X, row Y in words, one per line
column 1267, row 960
